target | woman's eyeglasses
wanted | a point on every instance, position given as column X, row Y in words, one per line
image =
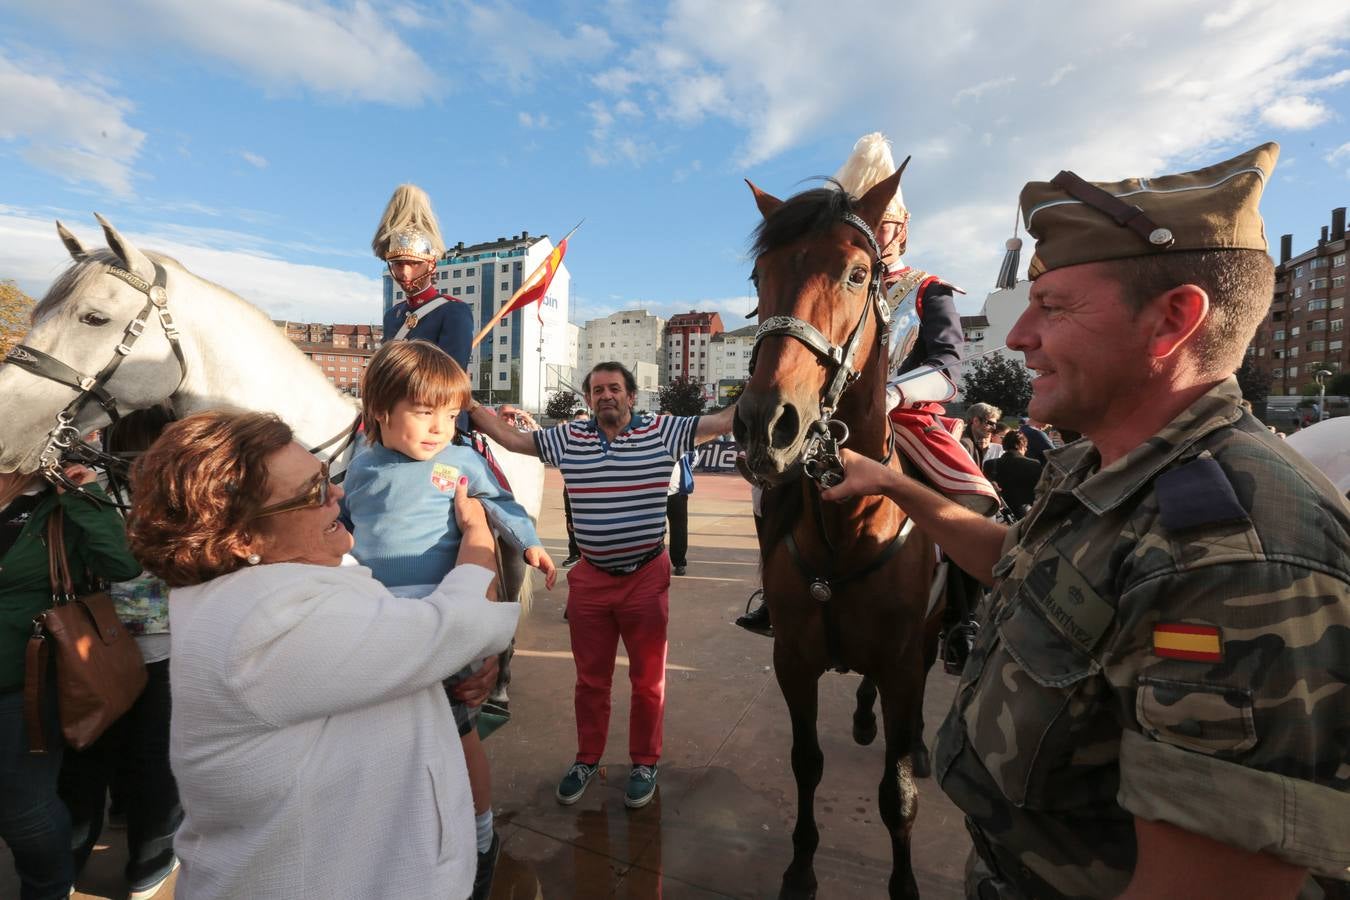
column 316, row 494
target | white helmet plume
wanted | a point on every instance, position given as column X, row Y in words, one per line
column 871, row 162
column 408, row 228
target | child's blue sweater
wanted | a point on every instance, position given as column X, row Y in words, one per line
column 403, row 511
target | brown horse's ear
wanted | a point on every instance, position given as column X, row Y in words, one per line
column 767, row 203
column 873, row 204
column 77, row 251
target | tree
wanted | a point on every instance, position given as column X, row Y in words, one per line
column 1339, row 385
column 1254, row 382
column 682, row 397
column 561, row 404
column 999, row 381
column 15, row 309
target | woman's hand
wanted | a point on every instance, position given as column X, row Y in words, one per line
column 473, row 690
column 469, row 513
column 538, row 558
column 79, row 474
column 476, row 544
column 862, row 477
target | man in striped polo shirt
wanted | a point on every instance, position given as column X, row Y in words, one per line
column 616, row 468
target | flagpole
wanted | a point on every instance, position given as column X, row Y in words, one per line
column 483, row 332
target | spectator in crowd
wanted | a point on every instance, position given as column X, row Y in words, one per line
column 677, row 511
column 1037, row 440
column 305, row 693
column 132, row 758
column 1015, row 475
column 981, row 420
column 399, row 496
column 34, row 823
column 616, row 468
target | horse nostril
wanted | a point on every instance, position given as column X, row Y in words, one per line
column 785, row 428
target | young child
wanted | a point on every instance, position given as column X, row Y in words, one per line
column 399, row 497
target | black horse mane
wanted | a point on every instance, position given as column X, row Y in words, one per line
column 810, row 212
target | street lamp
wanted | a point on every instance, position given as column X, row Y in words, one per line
column 1322, row 376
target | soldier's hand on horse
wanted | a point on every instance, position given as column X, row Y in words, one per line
column 475, row 689
column 77, row 473
column 862, row 476
column 538, row 558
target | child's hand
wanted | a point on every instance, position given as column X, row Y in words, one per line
column 538, row 558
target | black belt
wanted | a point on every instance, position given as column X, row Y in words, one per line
column 621, row 571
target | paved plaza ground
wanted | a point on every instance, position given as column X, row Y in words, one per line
column 720, row 825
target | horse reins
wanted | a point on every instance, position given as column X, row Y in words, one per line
column 820, row 454
column 65, row 437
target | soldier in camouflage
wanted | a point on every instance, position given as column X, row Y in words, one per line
column 1158, row 706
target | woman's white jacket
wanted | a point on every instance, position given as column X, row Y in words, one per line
column 313, row 745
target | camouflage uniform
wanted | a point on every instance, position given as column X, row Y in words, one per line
column 1074, row 715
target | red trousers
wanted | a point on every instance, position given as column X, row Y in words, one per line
column 601, row 609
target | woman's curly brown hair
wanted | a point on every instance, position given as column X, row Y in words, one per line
column 195, row 489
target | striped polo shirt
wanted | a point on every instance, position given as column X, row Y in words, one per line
column 618, row 490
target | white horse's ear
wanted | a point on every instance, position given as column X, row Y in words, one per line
column 136, row 262
column 77, row 251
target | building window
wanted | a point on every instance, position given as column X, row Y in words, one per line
column 1298, row 270
column 1336, row 345
column 1338, row 259
column 502, row 340
column 501, row 357
column 454, row 291
column 1293, row 353
column 469, row 271
column 1314, row 305
column 1338, row 281
column 1317, row 346
column 398, row 295
column 1317, row 325
column 505, row 268
column 468, row 289
column 1316, row 284
column 342, row 368
column 1337, row 324
column 458, row 273
column 1293, row 332
column 1279, row 335
column 501, row 376
column 1277, row 373
column 1298, row 292
column 444, row 275
column 1337, row 302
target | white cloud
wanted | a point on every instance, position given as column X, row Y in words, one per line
column 520, row 43
column 253, row 159
column 1295, row 113
column 976, row 91
column 347, row 50
column 1060, row 73
column 31, row 253
column 1173, row 84
column 68, row 126
column 531, row 120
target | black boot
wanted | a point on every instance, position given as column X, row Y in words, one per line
column 756, row 620
column 487, row 865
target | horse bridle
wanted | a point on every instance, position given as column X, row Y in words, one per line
column 64, row 436
column 820, row 453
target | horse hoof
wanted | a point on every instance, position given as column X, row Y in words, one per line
column 864, row 730
column 919, row 762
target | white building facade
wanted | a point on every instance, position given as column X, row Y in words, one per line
column 631, row 337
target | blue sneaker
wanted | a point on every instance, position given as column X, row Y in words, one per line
column 641, row 787
column 574, row 782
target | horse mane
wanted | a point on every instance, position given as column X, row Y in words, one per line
column 77, row 276
column 812, row 211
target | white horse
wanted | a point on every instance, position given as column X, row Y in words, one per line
column 227, row 353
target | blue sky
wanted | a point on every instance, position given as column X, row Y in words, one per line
column 257, row 140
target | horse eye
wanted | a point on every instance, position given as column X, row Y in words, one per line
column 858, row 276
column 93, row 318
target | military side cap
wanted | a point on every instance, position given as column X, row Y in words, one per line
column 1215, row 208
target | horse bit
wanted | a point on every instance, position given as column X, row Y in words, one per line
column 65, row 438
column 820, row 455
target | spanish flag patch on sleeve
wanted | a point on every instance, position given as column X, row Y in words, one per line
column 1179, row 640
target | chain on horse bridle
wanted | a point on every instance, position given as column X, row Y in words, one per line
column 64, row 436
column 820, row 454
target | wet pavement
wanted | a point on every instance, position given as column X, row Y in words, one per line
column 720, row 825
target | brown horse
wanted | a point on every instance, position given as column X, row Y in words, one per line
column 847, row 583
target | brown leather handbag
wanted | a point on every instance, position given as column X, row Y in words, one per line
column 99, row 668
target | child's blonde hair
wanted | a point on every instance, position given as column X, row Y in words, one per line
column 416, row 371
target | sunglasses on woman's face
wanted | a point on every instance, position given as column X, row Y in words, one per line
column 314, row 495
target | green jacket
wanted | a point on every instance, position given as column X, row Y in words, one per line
column 96, row 544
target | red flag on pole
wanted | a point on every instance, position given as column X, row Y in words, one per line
column 532, row 289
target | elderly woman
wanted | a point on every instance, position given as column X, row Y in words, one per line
column 314, row 750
